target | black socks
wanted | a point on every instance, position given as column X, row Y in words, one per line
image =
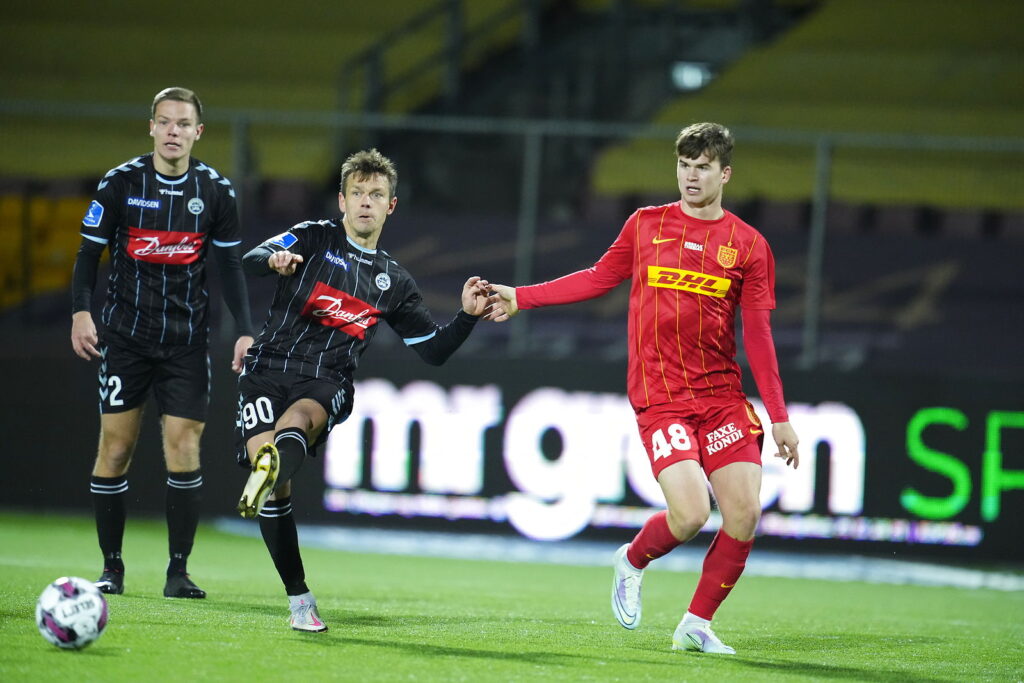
column 183, row 496
column 277, row 524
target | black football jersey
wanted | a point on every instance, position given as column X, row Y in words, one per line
column 159, row 230
column 324, row 315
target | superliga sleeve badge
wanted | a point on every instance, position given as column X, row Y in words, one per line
column 94, row 215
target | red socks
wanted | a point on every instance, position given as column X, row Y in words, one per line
column 723, row 565
column 654, row 540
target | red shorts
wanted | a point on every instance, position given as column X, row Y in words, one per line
column 710, row 431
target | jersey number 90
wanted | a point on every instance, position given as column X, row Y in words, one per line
column 256, row 412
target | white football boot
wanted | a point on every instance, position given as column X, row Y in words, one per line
column 626, row 604
column 698, row 637
column 305, row 616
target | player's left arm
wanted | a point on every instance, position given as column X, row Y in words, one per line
column 437, row 346
column 764, row 365
column 756, row 303
column 236, row 296
column 226, row 242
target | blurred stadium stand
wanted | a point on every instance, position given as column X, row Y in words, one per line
column 919, row 105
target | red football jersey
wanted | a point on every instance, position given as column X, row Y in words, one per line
column 689, row 276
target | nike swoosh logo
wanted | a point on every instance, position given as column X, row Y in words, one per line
column 755, row 431
column 728, row 586
column 659, row 240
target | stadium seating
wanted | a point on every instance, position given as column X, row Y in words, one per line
column 281, row 57
column 892, row 70
column 51, row 258
column 91, row 69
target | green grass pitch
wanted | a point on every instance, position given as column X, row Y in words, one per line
column 399, row 618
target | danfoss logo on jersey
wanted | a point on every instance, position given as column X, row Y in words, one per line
column 334, row 308
column 689, row 280
column 164, row 246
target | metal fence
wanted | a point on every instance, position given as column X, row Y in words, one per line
column 531, row 137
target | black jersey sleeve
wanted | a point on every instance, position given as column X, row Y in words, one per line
column 255, row 261
column 83, row 280
column 104, row 213
column 233, row 281
column 439, row 348
column 226, row 228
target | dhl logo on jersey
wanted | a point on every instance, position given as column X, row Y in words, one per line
column 688, row 280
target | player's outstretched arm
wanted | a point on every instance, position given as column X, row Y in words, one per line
column 475, row 296
column 503, row 306
column 786, row 439
column 284, row 262
column 440, row 346
column 83, row 335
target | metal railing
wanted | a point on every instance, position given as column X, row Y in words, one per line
column 533, row 133
column 366, row 70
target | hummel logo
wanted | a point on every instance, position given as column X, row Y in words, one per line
column 659, row 240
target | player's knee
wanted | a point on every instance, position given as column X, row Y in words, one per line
column 112, row 460
column 685, row 523
column 116, row 448
column 742, row 523
column 181, row 445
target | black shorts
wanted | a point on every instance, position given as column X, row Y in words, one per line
column 264, row 396
column 178, row 375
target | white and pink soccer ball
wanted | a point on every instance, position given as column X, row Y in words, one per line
column 71, row 612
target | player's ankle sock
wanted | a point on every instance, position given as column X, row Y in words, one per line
column 291, row 447
column 178, row 564
column 277, row 524
column 296, row 599
column 183, row 495
column 108, row 499
column 112, row 562
column 654, row 540
column 723, row 566
column 690, row 618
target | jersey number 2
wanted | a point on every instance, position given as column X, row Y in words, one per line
column 114, row 382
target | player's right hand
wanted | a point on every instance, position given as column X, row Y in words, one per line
column 504, row 305
column 284, row 262
column 83, row 335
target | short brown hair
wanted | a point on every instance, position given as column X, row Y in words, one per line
column 712, row 139
column 179, row 95
column 367, row 163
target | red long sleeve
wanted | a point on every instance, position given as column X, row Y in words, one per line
column 610, row 270
column 578, row 286
column 757, row 339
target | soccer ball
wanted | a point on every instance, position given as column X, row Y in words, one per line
column 71, row 612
